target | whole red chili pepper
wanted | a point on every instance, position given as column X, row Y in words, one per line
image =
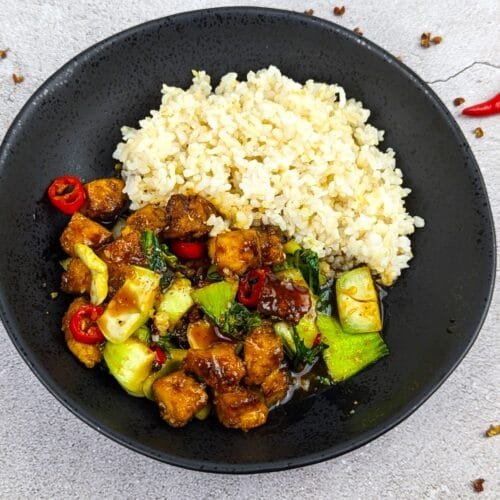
column 251, row 285
column 83, row 324
column 188, row 249
column 486, row 108
column 67, row 194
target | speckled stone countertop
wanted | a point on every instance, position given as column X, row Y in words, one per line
column 46, row 452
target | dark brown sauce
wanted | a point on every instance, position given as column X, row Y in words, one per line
column 284, row 299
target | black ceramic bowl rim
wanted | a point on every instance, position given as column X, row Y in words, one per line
column 268, row 466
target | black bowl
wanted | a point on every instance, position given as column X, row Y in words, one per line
column 434, row 311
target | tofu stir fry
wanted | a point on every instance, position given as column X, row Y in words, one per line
column 228, row 326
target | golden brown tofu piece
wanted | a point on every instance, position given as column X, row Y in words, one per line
column 76, row 279
column 271, row 247
column 150, row 218
column 179, row 398
column 81, row 229
column 242, row 249
column 126, row 250
column 240, row 409
column 218, row 366
column 275, row 386
column 88, row 354
column 201, row 334
column 105, row 199
column 263, row 353
column 187, row 217
column 235, row 251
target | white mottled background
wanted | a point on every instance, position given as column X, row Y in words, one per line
column 47, row 452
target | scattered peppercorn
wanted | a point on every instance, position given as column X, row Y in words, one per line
column 436, row 40
column 358, row 31
column 17, row 78
column 458, row 101
column 493, row 430
column 309, row 12
column 477, row 484
column 3, row 53
column 478, row 132
column 339, row 11
column 425, row 39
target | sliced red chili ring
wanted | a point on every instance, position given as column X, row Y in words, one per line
column 83, row 324
column 251, row 285
column 67, row 194
column 188, row 249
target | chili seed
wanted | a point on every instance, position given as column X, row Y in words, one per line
column 458, row 101
column 425, row 39
column 339, row 11
column 53, row 295
column 493, row 431
column 478, row 132
column 17, row 78
column 477, row 484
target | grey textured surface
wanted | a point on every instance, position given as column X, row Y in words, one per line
column 47, row 452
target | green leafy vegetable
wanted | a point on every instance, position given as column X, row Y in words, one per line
column 216, row 299
column 324, row 380
column 130, row 362
column 348, row 353
column 295, row 349
column 218, row 302
column 131, row 306
column 325, row 299
column 307, row 262
column 143, row 333
column 165, row 343
column 213, row 274
column 357, row 301
column 160, row 259
column 238, row 321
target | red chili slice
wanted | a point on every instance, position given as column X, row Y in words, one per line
column 83, row 324
column 160, row 355
column 67, row 194
column 188, row 249
column 251, row 285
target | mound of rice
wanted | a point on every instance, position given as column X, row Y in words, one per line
column 269, row 150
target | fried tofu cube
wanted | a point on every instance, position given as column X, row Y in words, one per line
column 275, row 386
column 218, row 366
column 88, row 354
column 187, row 217
column 119, row 255
column 240, row 409
column 150, row 218
column 105, row 199
column 81, row 229
column 179, row 398
column 263, row 353
column 235, row 251
column 76, row 279
column 271, row 247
